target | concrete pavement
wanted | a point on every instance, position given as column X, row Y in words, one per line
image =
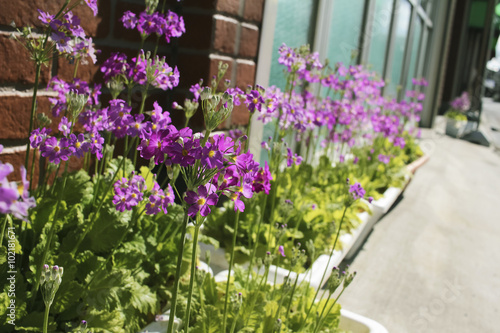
column 432, row 264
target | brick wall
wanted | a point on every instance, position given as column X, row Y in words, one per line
column 216, row 30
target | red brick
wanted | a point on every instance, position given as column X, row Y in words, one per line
column 253, row 10
column 198, row 31
column 228, row 6
column 214, row 68
column 15, row 114
column 24, row 12
column 245, row 75
column 225, row 36
column 17, row 158
column 240, row 115
column 15, row 66
column 249, row 42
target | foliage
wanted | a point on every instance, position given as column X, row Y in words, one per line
column 118, row 274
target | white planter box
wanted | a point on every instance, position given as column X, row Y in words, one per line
column 356, row 323
column 455, row 128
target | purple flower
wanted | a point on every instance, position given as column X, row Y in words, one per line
column 129, row 20
column 211, row 156
column 384, row 158
column 64, row 126
column 292, row 158
column 128, row 193
column 281, row 250
column 199, row 201
column 254, row 101
column 62, row 42
column 78, row 145
column 357, row 191
column 14, row 198
column 45, row 17
column 55, row 150
column 92, row 5
column 38, row 136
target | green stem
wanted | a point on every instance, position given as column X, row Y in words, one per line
column 322, row 320
column 32, row 169
column 259, row 225
column 173, row 308
column 231, row 262
column 3, row 228
column 318, row 325
column 49, row 238
column 38, row 68
column 291, row 297
column 192, row 277
column 46, row 318
column 76, row 68
column 235, row 320
column 327, row 264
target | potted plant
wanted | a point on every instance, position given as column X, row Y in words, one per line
column 456, row 120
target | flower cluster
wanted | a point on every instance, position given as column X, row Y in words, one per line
column 14, row 197
column 168, row 25
column 128, row 193
column 140, row 70
column 353, row 111
column 461, row 103
column 66, row 92
column 68, row 35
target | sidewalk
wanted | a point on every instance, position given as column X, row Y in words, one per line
column 432, row 264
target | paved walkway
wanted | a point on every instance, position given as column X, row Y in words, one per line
column 433, row 263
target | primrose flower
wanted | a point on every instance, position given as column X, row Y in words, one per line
column 357, row 191
column 254, row 101
column 281, row 250
column 384, row 158
column 199, row 201
column 129, row 20
column 65, row 126
column 92, row 5
column 292, row 158
column 14, row 198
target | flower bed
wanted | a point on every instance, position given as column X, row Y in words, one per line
column 114, row 244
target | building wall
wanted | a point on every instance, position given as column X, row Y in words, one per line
column 216, row 30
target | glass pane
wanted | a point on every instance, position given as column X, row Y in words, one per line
column 415, row 49
column 400, row 36
column 294, row 27
column 345, row 29
column 295, row 23
column 380, row 34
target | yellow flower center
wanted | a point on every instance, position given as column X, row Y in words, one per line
column 211, row 153
column 78, row 144
column 184, row 152
column 134, row 195
column 154, row 126
column 137, row 125
column 234, row 196
column 201, row 201
column 255, row 101
column 56, row 149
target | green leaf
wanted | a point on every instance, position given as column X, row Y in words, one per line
column 105, row 321
column 108, row 229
